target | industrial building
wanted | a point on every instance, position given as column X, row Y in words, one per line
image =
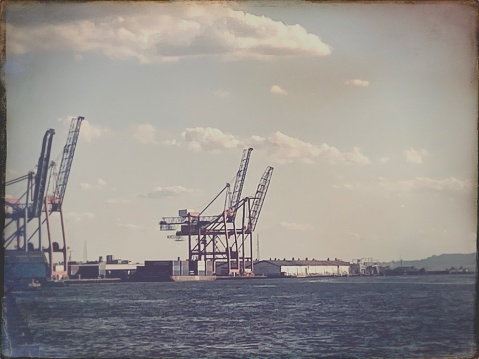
column 112, row 268
column 365, row 266
column 165, row 270
column 301, row 268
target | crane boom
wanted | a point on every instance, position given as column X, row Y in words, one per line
column 41, row 175
column 66, row 163
column 240, row 177
column 259, row 197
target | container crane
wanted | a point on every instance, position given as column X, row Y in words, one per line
column 172, row 223
column 226, row 237
column 30, row 203
column 54, row 202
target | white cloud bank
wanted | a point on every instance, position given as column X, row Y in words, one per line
column 293, row 226
column 427, row 184
column 357, row 82
column 415, row 156
column 417, row 184
column 208, row 139
column 280, row 147
column 161, row 192
column 100, row 183
column 285, row 149
column 145, row 134
column 278, row 90
column 78, row 216
column 88, row 130
column 168, row 32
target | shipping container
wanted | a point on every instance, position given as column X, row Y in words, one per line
column 176, row 268
column 185, row 268
column 193, row 267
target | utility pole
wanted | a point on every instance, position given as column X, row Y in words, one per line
column 85, row 257
column 257, row 247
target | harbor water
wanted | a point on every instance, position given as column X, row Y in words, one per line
column 361, row 317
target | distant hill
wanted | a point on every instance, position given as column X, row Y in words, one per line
column 440, row 262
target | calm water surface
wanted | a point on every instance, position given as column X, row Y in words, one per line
column 392, row 317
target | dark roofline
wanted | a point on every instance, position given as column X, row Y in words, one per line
column 315, row 262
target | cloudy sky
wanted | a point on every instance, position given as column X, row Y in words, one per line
column 366, row 112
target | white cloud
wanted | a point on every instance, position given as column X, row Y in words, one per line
column 145, row 134
column 293, row 226
column 100, row 183
column 12, row 172
column 279, row 147
column 78, row 216
column 357, row 82
column 78, row 58
column 222, row 93
column 160, row 192
column 117, row 201
column 90, row 131
column 85, row 186
column 427, row 184
column 167, row 32
column 384, row 160
column 131, row 226
column 415, row 156
column 171, row 142
column 278, row 90
column 348, row 186
column 285, row 149
column 209, row 139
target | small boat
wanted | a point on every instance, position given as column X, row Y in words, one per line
column 35, row 284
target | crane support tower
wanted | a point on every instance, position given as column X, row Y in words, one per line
column 54, row 203
column 225, row 238
column 29, row 205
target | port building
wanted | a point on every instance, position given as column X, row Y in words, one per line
column 301, row 268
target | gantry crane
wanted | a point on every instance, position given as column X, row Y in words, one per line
column 53, row 203
column 29, row 205
column 228, row 236
column 171, row 223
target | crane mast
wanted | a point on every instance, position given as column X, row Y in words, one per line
column 240, row 178
column 259, row 197
column 41, row 175
column 66, row 163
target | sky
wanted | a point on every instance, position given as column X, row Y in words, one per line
column 367, row 112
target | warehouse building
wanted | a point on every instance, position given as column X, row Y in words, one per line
column 112, row 268
column 301, row 268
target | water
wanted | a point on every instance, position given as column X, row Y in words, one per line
column 392, row 317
